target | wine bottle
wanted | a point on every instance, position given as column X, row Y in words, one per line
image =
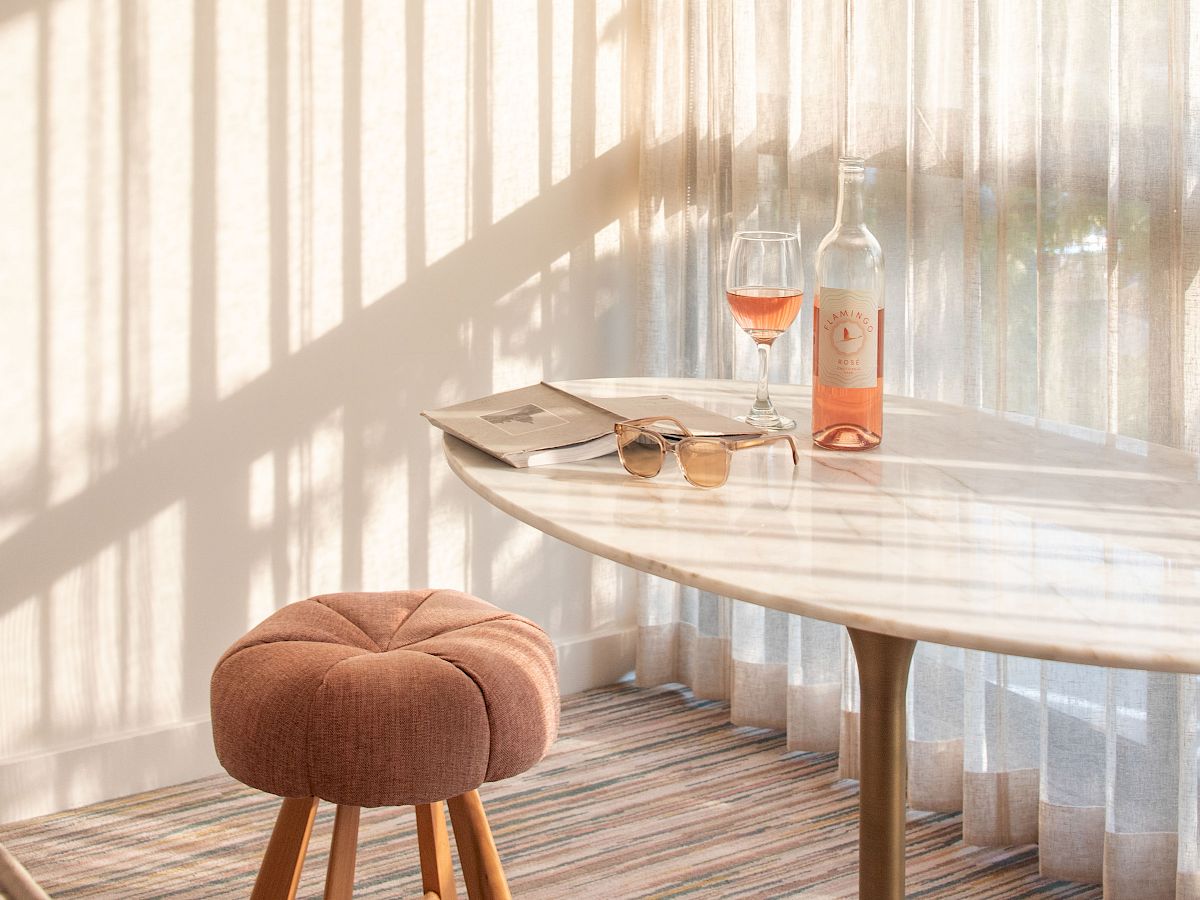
column 847, row 403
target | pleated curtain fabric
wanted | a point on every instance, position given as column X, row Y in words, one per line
column 1034, row 179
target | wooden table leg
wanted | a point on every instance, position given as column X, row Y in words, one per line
column 883, row 663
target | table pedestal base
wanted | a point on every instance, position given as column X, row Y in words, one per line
column 883, row 663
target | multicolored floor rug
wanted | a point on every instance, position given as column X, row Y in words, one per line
column 648, row 793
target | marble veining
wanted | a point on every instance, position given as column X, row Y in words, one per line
column 977, row 529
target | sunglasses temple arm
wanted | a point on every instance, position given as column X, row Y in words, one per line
column 770, row 439
column 651, row 420
column 792, row 444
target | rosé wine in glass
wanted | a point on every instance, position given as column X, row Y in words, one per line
column 765, row 313
column 764, row 286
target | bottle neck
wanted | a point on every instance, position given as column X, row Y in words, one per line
column 850, row 200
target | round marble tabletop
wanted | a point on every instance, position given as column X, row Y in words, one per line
column 976, row 529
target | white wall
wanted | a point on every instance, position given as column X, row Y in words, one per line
column 242, row 245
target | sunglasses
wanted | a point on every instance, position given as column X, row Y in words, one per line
column 704, row 461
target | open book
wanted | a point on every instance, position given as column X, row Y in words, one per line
column 541, row 424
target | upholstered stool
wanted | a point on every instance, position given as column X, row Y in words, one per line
column 393, row 699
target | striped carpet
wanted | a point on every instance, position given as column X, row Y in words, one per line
column 647, row 793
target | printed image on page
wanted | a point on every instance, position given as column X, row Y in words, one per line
column 523, row 419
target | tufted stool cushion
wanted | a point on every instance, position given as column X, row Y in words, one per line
column 385, row 699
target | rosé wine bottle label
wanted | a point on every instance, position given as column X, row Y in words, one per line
column 848, row 339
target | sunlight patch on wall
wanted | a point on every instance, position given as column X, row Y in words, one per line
column 610, row 62
column 243, row 349
column 314, row 141
column 152, row 592
column 21, row 666
column 260, row 505
column 265, row 596
column 385, row 525
column 269, row 585
column 18, row 262
column 84, row 614
column 262, row 599
column 315, row 509
column 515, row 357
column 384, row 136
column 608, row 246
column 562, row 110
column 518, row 565
column 99, row 403
column 447, row 129
column 515, row 111
column 87, row 312
column 556, row 298
column 165, row 234
column 116, row 623
column 81, row 296
column 449, row 527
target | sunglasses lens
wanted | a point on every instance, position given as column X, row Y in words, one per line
column 705, row 463
column 640, row 453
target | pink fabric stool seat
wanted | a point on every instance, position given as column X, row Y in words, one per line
column 390, row 699
column 385, row 699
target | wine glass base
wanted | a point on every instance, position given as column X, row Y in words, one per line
column 774, row 422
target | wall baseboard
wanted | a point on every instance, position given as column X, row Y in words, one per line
column 44, row 783
column 595, row 660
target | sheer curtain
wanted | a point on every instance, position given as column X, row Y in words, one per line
column 1033, row 178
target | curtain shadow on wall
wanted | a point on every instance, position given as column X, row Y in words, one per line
column 253, row 244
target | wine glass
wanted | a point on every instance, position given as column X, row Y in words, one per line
column 764, row 285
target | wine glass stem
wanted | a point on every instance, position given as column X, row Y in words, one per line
column 762, row 401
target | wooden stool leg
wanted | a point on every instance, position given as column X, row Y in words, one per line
column 279, row 875
column 476, row 850
column 437, row 871
column 339, row 877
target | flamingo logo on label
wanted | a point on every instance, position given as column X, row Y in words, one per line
column 848, row 338
column 847, row 341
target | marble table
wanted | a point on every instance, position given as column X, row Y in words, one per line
column 969, row 528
